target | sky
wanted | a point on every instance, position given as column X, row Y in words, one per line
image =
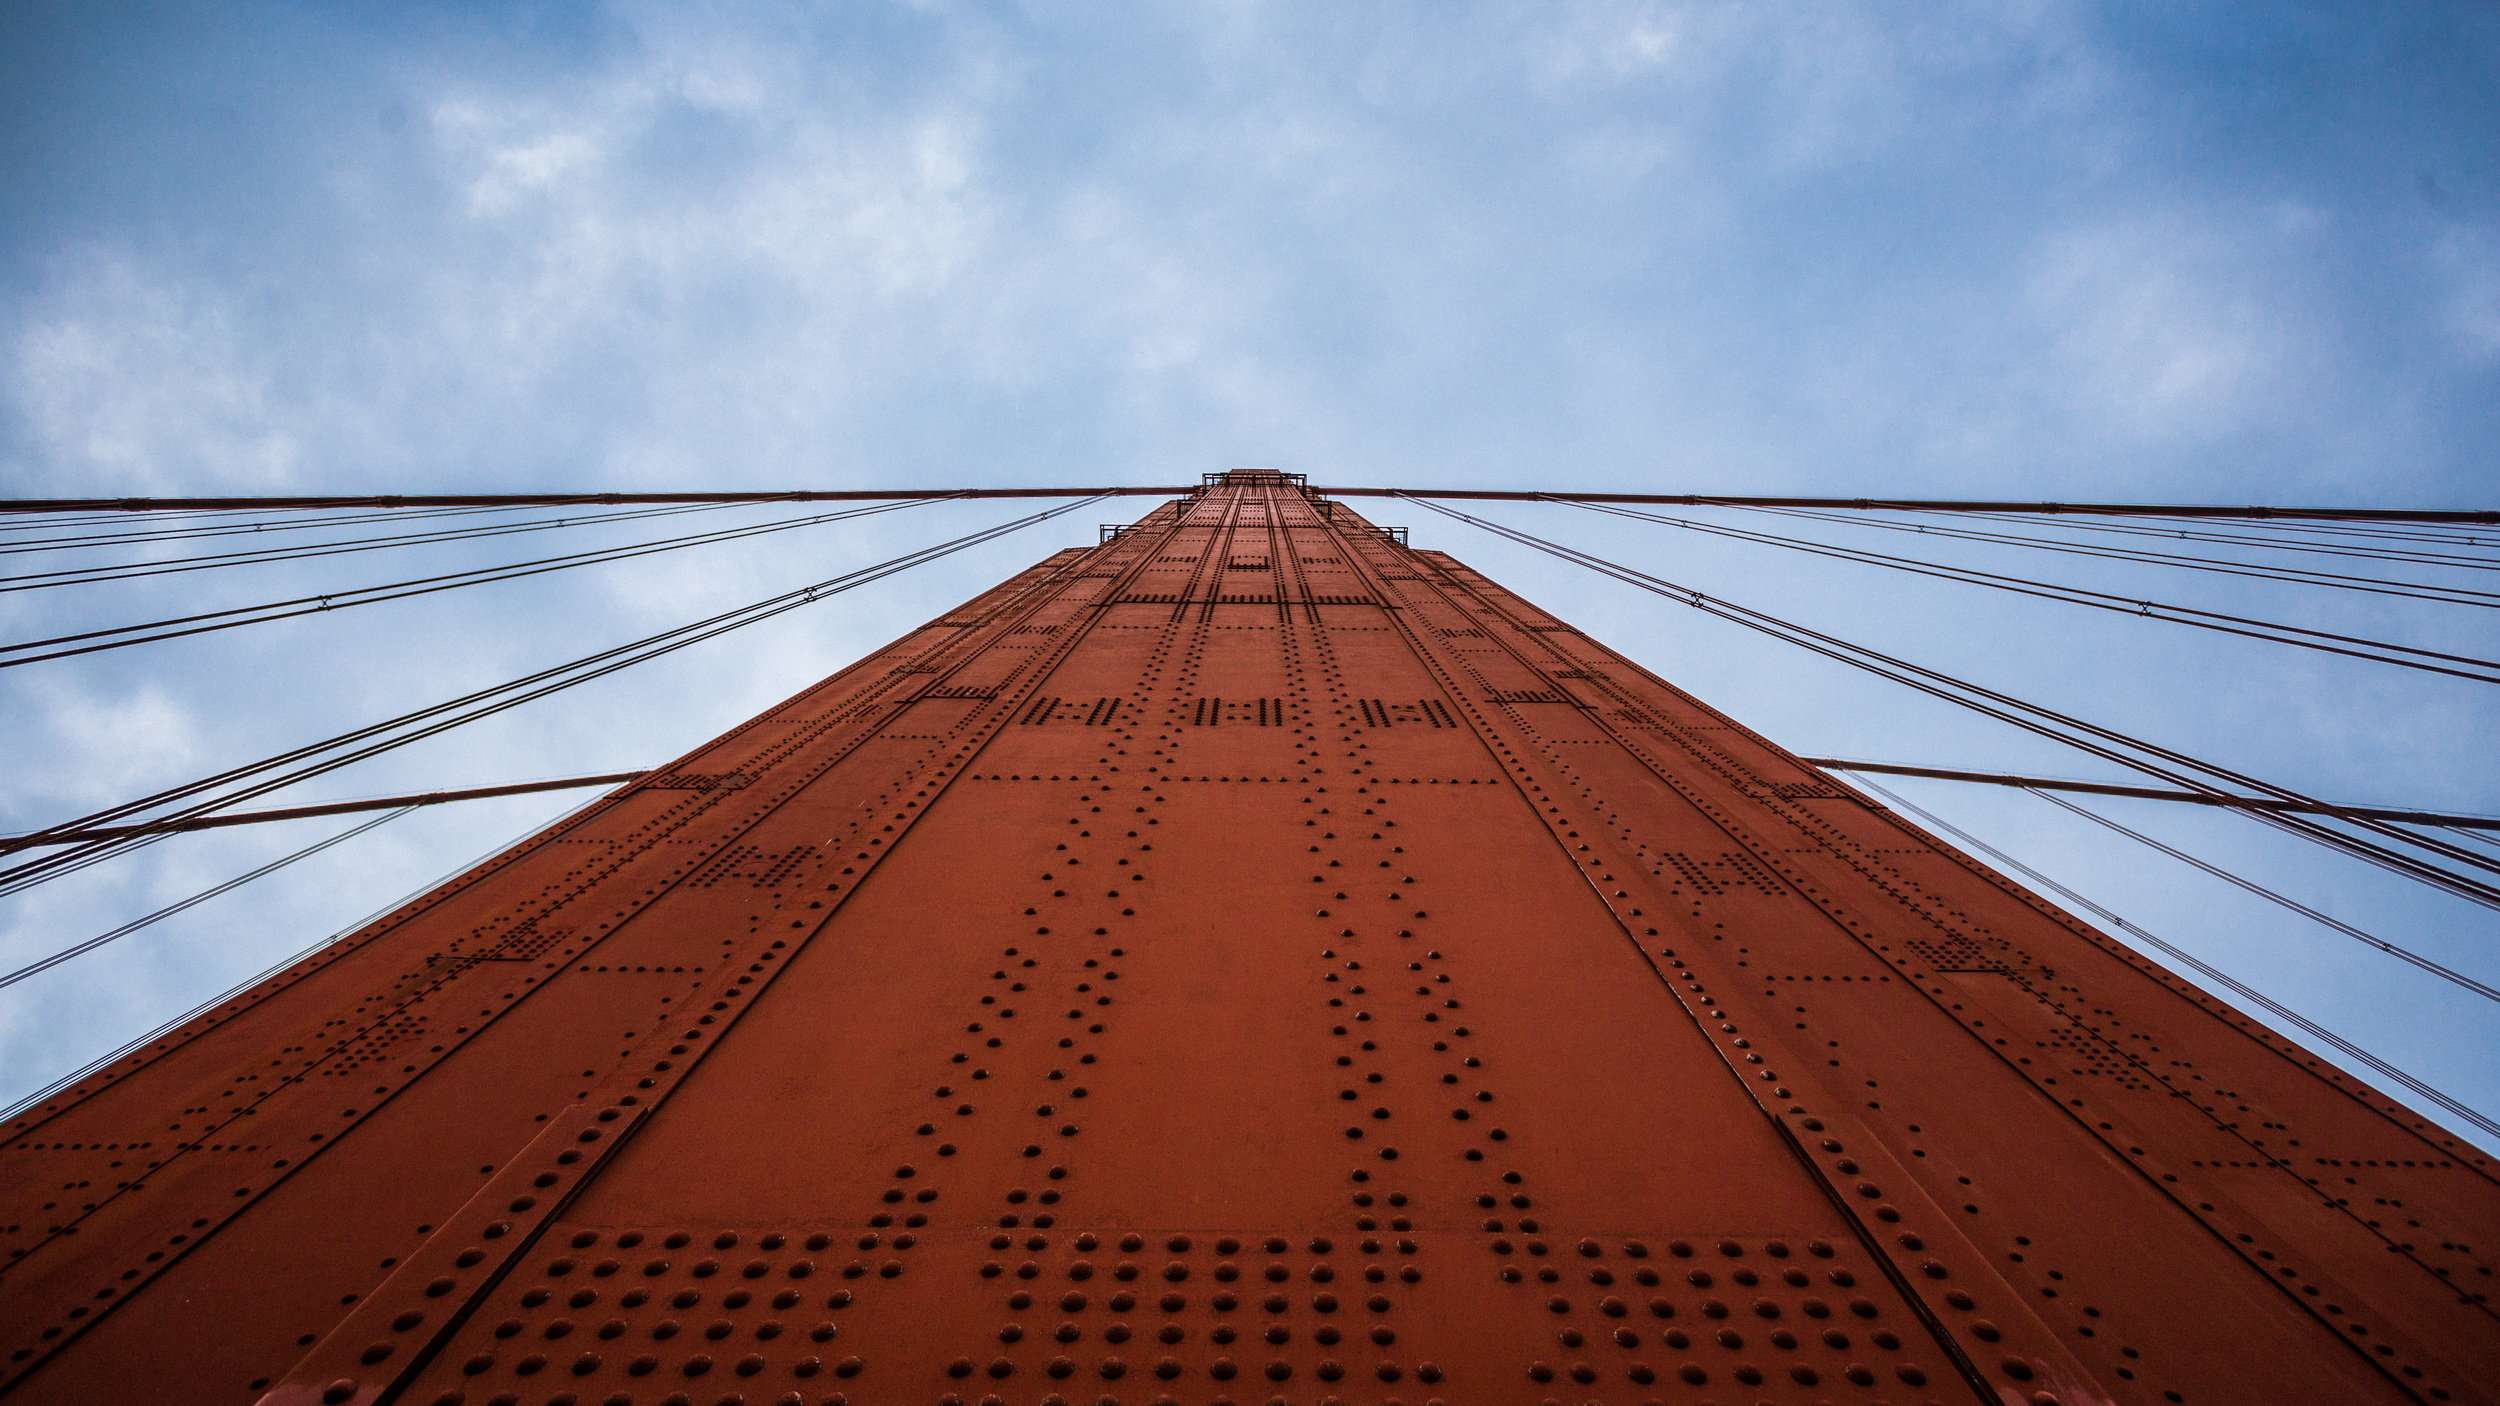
column 2180, row 253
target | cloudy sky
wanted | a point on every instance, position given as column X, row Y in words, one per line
column 2181, row 253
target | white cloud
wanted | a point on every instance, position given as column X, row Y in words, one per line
column 2155, row 329
column 1613, row 41
column 506, row 170
column 83, row 748
column 131, row 381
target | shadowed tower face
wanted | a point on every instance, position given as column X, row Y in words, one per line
column 1246, row 960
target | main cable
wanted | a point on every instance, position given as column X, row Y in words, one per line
column 397, row 502
column 222, row 523
column 2484, row 516
column 2216, row 974
column 2445, row 534
column 238, row 784
column 2297, row 575
column 2379, row 651
column 127, row 571
column 400, row 590
column 2149, row 758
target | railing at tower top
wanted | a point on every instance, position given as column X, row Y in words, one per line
column 1255, row 478
column 1329, row 508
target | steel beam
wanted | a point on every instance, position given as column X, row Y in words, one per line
column 2155, row 793
column 259, row 817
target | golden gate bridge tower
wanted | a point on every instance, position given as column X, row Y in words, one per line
column 1246, row 961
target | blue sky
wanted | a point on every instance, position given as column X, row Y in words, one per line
column 2175, row 253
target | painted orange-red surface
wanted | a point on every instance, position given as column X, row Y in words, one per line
column 1246, row 961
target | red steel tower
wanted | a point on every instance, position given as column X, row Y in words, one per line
column 1248, row 960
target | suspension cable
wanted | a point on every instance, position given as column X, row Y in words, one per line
column 45, row 964
column 155, row 630
column 2307, row 538
column 2487, row 992
column 2445, row 534
column 2377, row 651
column 1690, row 500
column 2267, row 572
column 396, row 501
column 264, row 817
column 2216, row 974
column 1931, row 505
column 2042, row 783
column 299, row 551
column 238, row 784
column 223, row 524
column 130, row 1048
column 95, row 855
column 2166, row 763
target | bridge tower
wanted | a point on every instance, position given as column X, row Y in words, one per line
column 1248, row 960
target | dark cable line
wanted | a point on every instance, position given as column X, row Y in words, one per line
column 107, row 1060
column 1690, row 500
column 264, row 817
column 2480, row 670
column 651, row 647
column 2134, row 753
column 2308, row 538
column 112, row 1057
column 12, row 887
column 221, row 524
column 2096, row 788
column 2394, row 862
column 398, row 501
column 2448, row 974
column 1926, row 505
column 2455, row 595
column 46, row 522
column 401, row 590
column 84, row 576
column 2206, row 969
column 266, row 974
column 288, row 551
column 314, row 759
column 1885, row 665
column 2448, row 534
column 44, row 964
column 2368, row 851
